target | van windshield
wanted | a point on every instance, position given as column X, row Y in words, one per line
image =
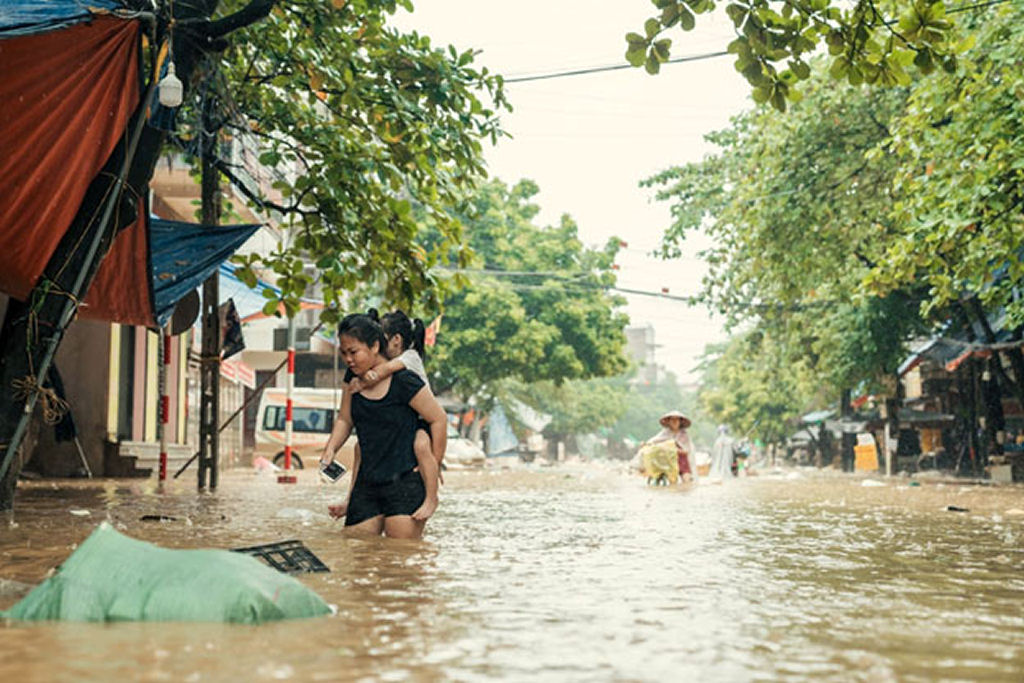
column 317, row 420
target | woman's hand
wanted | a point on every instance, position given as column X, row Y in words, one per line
column 326, row 458
column 338, row 510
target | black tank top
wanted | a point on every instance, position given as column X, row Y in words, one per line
column 386, row 428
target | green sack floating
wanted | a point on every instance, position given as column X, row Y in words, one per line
column 111, row 577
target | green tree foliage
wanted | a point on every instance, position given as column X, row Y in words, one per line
column 787, row 199
column 865, row 215
column 799, row 217
column 625, row 408
column 576, row 406
column 645, row 403
column 534, row 306
column 754, row 385
column 361, row 122
column 869, row 41
column 959, row 228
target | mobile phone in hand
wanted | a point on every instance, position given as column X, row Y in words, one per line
column 332, row 471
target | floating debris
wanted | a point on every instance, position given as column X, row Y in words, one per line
column 158, row 518
column 286, row 556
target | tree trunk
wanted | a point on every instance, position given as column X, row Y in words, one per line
column 848, row 440
column 1015, row 383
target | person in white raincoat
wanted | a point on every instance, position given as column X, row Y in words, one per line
column 722, row 455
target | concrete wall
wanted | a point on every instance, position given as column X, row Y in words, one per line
column 84, row 361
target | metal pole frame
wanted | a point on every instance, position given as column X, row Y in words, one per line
column 288, row 477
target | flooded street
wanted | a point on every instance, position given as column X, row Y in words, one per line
column 565, row 574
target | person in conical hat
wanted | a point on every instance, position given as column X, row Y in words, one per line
column 674, row 425
column 667, row 418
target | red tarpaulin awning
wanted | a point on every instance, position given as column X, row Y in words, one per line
column 65, row 99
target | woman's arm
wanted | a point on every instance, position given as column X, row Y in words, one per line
column 341, row 431
column 433, row 414
column 683, row 441
column 339, row 510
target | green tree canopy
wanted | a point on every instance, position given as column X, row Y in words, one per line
column 799, row 217
column 869, row 41
column 958, row 228
column 535, row 304
column 867, row 215
column 645, row 403
column 753, row 384
column 576, row 406
column 359, row 122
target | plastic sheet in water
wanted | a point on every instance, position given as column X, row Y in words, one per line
column 112, row 577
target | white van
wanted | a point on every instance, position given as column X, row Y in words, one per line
column 313, row 412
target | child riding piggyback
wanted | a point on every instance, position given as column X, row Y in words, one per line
column 406, row 349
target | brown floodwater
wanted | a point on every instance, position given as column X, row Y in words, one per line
column 574, row 573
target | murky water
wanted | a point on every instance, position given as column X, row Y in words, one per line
column 566, row 574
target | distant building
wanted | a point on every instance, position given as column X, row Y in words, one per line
column 641, row 347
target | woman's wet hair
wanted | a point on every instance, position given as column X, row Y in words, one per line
column 412, row 332
column 364, row 327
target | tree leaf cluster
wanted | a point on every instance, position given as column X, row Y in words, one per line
column 959, row 186
column 861, row 218
column 754, row 385
column 358, row 123
column 868, row 41
column 534, row 305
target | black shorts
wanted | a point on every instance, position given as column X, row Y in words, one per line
column 403, row 496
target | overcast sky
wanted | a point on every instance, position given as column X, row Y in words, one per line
column 588, row 140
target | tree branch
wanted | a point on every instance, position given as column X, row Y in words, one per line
column 257, row 199
column 250, row 14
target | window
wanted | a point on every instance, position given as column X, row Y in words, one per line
column 302, row 335
column 309, row 420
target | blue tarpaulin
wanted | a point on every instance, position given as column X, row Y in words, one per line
column 26, row 17
column 247, row 300
column 183, row 255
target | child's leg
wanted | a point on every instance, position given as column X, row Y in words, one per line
column 423, row 448
column 423, row 445
column 429, row 470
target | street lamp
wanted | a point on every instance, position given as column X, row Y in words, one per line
column 171, row 89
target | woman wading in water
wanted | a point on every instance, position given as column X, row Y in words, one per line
column 387, row 486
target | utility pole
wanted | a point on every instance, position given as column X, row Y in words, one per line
column 847, row 456
column 209, row 408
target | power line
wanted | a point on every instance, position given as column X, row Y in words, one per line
column 613, row 67
column 980, row 5
column 694, row 58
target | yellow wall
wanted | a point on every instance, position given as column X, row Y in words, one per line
column 112, row 381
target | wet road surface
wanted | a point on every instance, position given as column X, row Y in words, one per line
column 575, row 573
